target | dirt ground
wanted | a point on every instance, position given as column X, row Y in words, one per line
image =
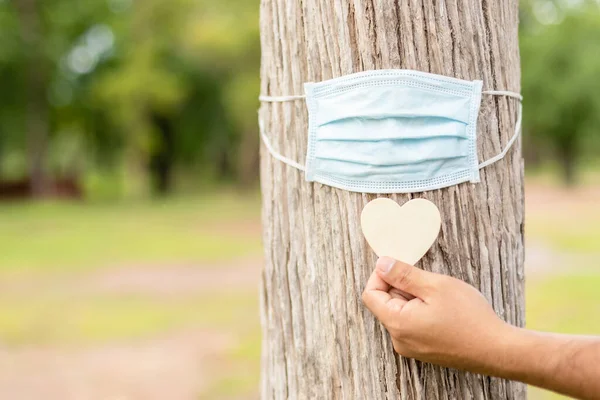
column 176, row 366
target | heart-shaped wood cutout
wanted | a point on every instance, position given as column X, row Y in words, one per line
column 403, row 233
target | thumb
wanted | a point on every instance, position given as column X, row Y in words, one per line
column 405, row 277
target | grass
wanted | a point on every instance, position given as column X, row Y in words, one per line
column 565, row 304
column 574, row 228
column 56, row 237
column 551, row 173
column 61, row 238
column 568, row 237
column 59, row 320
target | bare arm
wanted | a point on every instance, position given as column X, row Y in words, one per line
column 442, row 320
column 563, row 363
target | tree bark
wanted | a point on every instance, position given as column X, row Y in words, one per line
column 319, row 341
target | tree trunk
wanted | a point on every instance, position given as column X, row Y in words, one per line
column 249, row 160
column 319, row 340
column 162, row 157
column 37, row 106
column 567, row 153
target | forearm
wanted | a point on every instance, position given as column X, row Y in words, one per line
column 562, row 363
column 449, row 323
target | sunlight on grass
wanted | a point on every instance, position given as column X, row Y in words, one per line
column 551, row 173
column 67, row 236
column 59, row 320
column 570, row 235
column 566, row 304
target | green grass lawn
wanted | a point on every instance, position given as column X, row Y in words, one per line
column 576, row 234
column 59, row 320
column 52, row 237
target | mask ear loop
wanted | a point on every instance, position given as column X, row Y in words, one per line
column 281, row 99
column 277, row 155
column 517, row 125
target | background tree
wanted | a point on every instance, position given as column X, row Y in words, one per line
column 561, row 63
column 161, row 95
column 159, row 87
column 35, row 37
column 319, row 341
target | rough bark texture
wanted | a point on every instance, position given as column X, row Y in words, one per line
column 319, row 341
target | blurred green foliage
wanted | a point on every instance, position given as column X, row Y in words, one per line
column 137, row 90
column 125, row 96
column 560, row 55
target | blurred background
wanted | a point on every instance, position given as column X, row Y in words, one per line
column 129, row 205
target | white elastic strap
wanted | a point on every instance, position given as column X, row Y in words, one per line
column 275, row 153
column 281, row 99
column 503, row 93
column 510, row 142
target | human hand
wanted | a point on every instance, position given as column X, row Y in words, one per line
column 435, row 318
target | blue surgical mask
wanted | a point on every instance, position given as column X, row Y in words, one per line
column 392, row 131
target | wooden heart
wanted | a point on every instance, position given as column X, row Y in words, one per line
column 403, row 233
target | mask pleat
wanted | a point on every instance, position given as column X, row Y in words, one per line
column 390, row 102
column 429, row 169
column 393, row 152
column 393, row 128
column 392, row 131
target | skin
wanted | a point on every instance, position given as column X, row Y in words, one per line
column 445, row 321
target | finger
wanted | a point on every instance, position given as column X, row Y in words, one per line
column 376, row 283
column 379, row 300
column 409, row 279
column 399, row 294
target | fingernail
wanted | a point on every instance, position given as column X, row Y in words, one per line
column 385, row 264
